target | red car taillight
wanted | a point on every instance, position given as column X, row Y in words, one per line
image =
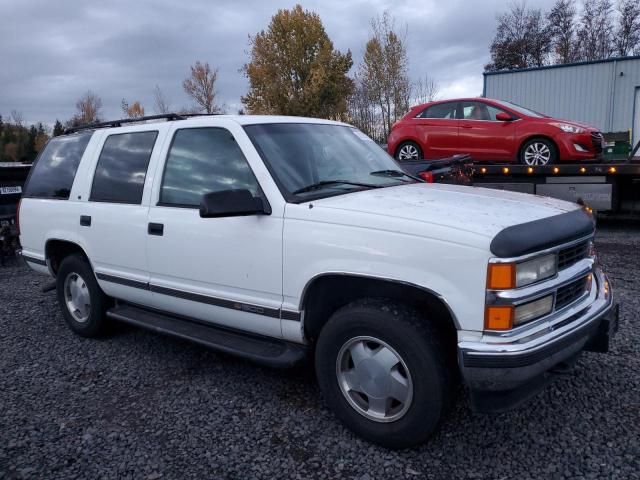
column 426, row 176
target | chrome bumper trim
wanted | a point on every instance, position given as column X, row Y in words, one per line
column 574, row 320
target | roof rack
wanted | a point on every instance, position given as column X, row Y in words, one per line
column 189, row 115
column 119, row 123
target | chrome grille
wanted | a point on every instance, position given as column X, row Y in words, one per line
column 571, row 255
column 571, row 292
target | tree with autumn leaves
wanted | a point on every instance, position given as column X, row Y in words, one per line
column 295, row 70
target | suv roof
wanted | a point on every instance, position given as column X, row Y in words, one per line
column 198, row 119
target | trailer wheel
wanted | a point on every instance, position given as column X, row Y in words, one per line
column 537, row 152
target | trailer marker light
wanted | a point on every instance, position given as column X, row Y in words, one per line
column 505, row 170
column 483, row 170
column 582, row 169
column 530, row 170
column 556, row 169
column 612, row 169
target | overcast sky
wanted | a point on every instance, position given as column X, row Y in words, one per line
column 53, row 51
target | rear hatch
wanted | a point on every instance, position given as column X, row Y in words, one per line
column 12, row 180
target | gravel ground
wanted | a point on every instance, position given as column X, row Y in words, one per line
column 139, row 405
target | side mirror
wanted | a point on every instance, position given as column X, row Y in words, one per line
column 503, row 117
column 232, row 203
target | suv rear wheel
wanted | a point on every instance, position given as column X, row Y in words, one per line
column 382, row 371
column 81, row 300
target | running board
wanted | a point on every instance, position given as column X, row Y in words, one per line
column 264, row 350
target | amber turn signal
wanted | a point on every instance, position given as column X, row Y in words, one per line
column 498, row 318
column 501, row 276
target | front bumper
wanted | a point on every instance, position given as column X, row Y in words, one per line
column 567, row 142
column 502, row 375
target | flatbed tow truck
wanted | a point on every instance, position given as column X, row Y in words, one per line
column 609, row 187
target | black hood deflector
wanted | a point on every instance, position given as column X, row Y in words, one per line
column 541, row 234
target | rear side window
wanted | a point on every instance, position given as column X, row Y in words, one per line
column 440, row 110
column 204, row 160
column 122, row 168
column 53, row 172
column 479, row 111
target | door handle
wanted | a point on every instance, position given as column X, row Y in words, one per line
column 466, row 126
column 85, row 220
column 155, row 229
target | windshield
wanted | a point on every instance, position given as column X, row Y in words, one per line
column 519, row 109
column 312, row 160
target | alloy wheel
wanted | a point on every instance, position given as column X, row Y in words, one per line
column 408, row 152
column 537, row 154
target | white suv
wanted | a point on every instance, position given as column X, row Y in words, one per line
column 280, row 238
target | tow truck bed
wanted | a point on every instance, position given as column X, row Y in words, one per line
column 612, row 187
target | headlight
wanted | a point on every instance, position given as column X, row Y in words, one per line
column 568, row 128
column 504, row 276
column 532, row 310
column 533, row 271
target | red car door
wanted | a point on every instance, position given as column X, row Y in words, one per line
column 437, row 130
column 483, row 136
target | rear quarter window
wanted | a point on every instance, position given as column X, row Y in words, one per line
column 122, row 167
column 54, row 170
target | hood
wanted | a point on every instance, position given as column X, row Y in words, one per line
column 426, row 208
column 586, row 126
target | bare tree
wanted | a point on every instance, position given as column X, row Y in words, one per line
column 522, row 39
column 160, row 102
column 88, row 109
column 594, row 35
column 425, row 90
column 363, row 112
column 627, row 35
column 200, row 86
column 562, row 20
column 18, row 118
column 384, row 71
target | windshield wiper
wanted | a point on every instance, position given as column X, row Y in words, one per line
column 326, row 183
column 394, row 174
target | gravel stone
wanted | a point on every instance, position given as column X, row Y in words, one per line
column 139, row 405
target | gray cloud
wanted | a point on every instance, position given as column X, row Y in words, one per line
column 52, row 52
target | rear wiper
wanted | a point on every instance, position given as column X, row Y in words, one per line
column 394, row 174
column 325, row 183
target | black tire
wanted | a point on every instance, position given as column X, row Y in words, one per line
column 410, row 146
column 528, row 148
column 96, row 324
column 418, row 346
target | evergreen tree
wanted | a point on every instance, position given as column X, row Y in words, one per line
column 58, row 128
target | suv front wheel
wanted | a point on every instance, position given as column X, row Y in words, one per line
column 81, row 300
column 381, row 369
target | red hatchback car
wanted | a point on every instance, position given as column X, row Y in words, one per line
column 491, row 130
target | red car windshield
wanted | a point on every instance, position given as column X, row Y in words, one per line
column 522, row 110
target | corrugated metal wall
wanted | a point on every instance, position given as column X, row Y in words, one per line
column 583, row 93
